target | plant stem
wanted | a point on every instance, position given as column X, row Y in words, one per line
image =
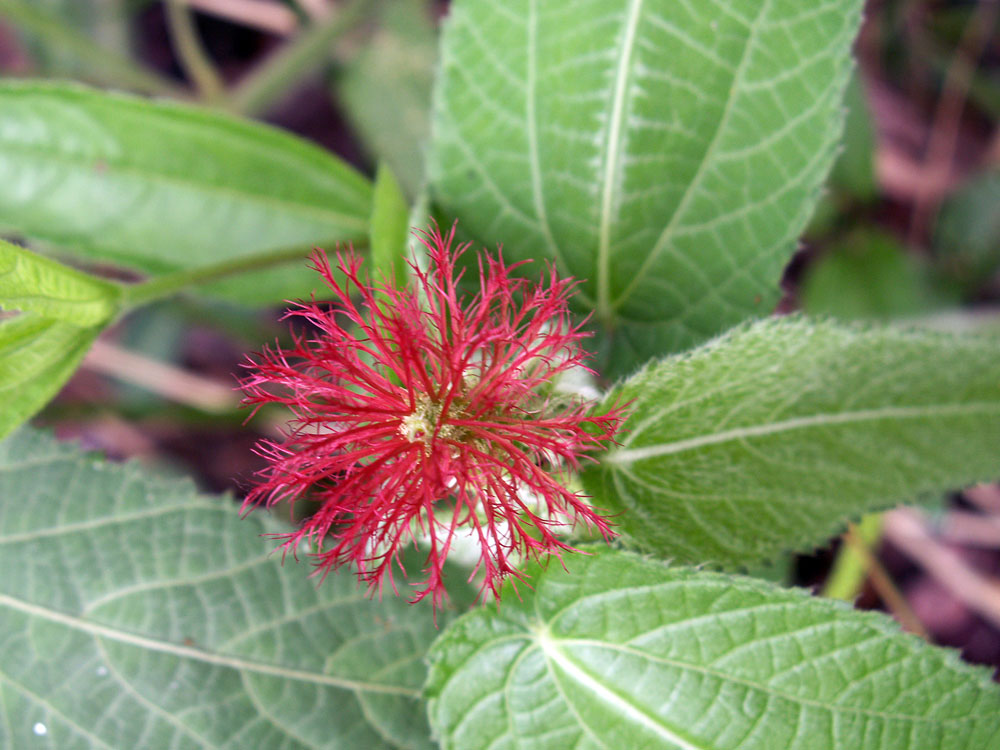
column 165, row 380
column 849, row 569
column 190, row 52
column 171, row 283
column 894, row 600
column 261, row 88
column 907, row 531
column 263, row 15
column 116, row 69
column 856, row 562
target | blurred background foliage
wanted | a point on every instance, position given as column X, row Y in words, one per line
column 908, row 229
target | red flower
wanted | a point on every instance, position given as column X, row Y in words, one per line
column 422, row 412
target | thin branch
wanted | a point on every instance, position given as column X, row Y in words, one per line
column 264, row 15
column 985, row 497
column 162, row 379
column 847, row 577
column 169, row 284
column 906, row 530
column 973, row 529
column 884, row 585
column 190, row 52
column 272, row 78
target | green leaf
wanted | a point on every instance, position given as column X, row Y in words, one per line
column 622, row 652
column 967, row 236
column 386, row 89
column 390, row 225
column 854, row 170
column 772, row 436
column 37, row 356
column 32, row 283
column 65, row 50
column 137, row 613
column 869, row 275
column 52, row 315
column 668, row 154
column 162, row 187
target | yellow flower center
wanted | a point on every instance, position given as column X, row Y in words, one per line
column 427, row 420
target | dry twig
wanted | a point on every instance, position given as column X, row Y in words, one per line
column 884, row 585
column 905, row 528
column 317, row 9
column 265, row 15
column 972, row 529
column 165, row 380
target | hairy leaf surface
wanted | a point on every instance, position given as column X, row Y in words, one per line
column 622, row 652
column 772, row 436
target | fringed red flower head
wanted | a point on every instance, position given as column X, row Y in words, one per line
column 422, row 414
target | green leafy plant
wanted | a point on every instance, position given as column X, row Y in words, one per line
column 656, row 161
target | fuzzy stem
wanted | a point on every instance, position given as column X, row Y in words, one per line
column 169, row 284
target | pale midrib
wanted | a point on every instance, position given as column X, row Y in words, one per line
column 629, row 456
column 104, row 522
column 28, row 267
column 89, row 312
column 692, row 187
column 761, row 686
column 36, row 303
column 344, row 220
column 626, row 709
column 188, row 652
column 614, row 147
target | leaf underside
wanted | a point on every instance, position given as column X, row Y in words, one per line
column 135, row 612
